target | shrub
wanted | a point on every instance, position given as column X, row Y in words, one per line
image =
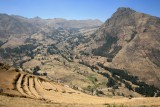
column 114, row 105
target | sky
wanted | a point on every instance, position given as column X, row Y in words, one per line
column 76, row 9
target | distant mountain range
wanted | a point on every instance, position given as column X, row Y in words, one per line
column 17, row 24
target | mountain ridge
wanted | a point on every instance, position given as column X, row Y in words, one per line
column 13, row 26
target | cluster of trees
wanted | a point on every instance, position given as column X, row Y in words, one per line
column 143, row 88
column 37, row 71
column 23, row 49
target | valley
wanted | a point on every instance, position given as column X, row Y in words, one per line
column 61, row 62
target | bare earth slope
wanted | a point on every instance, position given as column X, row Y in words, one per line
column 18, row 87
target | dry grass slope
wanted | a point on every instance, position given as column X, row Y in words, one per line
column 22, row 89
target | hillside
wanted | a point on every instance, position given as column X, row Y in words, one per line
column 130, row 41
column 23, row 89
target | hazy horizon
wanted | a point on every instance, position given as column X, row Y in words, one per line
column 75, row 9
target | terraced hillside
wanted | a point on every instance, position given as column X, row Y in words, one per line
column 40, row 91
column 17, row 83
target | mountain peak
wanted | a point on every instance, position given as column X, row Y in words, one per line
column 123, row 11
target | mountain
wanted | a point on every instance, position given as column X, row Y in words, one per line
column 18, row 26
column 14, row 25
column 130, row 41
column 117, row 58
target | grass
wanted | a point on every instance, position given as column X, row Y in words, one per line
column 93, row 79
column 115, row 105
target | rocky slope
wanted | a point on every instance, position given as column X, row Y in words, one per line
column 130, row 41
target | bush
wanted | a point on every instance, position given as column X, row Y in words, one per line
column 93, row 79
column 114, row 105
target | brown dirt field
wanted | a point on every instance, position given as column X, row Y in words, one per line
column 32, row 91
